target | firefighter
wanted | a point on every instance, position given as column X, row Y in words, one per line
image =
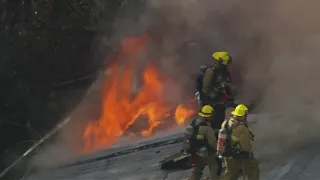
column 202, row 143
column 235, row 145
column 216, row 79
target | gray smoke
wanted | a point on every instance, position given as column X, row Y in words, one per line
column 274, row 44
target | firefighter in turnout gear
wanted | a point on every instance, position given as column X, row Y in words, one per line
column 201, row 143
column 216, row 79
column 235, row 146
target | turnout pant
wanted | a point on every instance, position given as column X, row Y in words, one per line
column 249, row 167
column 196, row 172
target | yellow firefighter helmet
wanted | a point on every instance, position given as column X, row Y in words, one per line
column 240, row 110
column 206, row 111
column 223, row 57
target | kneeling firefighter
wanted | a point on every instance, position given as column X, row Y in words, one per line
column 235, row 146
column 200, row 142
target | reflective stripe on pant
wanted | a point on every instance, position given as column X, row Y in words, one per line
column 234, row 168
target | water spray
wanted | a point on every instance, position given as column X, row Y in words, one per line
column 32, row 148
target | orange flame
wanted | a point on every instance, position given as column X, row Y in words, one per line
column 120, row 109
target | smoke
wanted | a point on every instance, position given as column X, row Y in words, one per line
column 274, row 44
column 67, row 145
column 291, row 95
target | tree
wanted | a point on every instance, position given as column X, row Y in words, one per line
column 46, row 59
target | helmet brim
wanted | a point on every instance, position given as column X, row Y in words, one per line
column 236, row 114
column 204, row 115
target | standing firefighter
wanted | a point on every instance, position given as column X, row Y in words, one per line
column 235, row 145
column 213, row 82
column 201, row 143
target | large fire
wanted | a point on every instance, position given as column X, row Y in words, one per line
column 121, row 109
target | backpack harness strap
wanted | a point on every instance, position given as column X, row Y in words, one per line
column 229, row 132
column 195, row 133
